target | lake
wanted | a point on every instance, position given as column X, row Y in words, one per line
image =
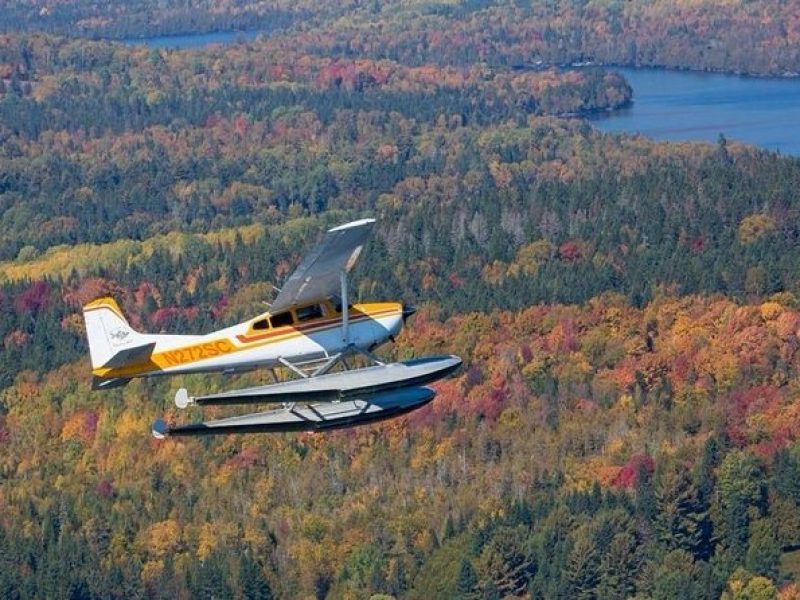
column 685, row 105
column 667, row 104
column 191, row 40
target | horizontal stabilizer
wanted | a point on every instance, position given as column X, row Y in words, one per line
column 129, row 356
column 312, row 417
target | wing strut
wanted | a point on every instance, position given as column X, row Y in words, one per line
column 345, row 308
column 349, row 347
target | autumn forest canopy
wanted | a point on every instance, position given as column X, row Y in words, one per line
column 626, row 420
column 750, row 36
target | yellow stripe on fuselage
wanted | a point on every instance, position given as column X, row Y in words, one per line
column 186, row 355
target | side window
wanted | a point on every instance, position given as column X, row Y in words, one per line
column 282, row 319
column 309, row 312
column 261, row 324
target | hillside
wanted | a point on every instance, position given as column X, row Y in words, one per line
column 485, row 198
column 757, row 37
column 596, row 449
column 625, row 423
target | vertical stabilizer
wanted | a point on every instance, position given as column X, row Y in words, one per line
column 108, row 331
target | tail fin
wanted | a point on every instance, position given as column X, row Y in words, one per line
column 110, row 334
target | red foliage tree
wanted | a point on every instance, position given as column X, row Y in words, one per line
column 33, row 299
column 629, row 473
column 570, row 251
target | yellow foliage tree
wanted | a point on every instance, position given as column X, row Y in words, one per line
column 162, row 538
column 754, row 227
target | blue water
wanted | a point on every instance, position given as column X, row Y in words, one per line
column 191, row 40
column 682, row 105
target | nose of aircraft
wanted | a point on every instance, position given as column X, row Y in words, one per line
column 408, row 311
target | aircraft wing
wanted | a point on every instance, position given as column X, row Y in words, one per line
column 317, row 277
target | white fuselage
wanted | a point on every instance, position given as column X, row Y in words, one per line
column 241, row 347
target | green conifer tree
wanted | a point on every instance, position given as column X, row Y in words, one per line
column 467, row 580
column 618, row 568
column 680, row 521
column 675, row 577
column 253, row 584
column 764, row 551
column 582, row 567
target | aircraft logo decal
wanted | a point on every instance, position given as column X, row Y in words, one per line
column 119, row 336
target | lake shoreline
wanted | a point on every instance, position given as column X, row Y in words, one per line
column 192, row 41
column 668, row 103
column 743, row 75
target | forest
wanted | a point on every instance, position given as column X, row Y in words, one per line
column 589, row 451
column 757, row 37
column 626, row 421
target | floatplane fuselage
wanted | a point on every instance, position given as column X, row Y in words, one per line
column 311, row 328
column 297, row 336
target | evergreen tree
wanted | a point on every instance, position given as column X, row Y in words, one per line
column 396, row 580
column 704, row 471
column 645, row 498
column 785, row 478
column 490, row 591
column 467, row 580
column 764, row 551
column 675, row 577
column 507, row 560
column 582, row 567
column 209, row 579
column 619, row 565
column 741, row 496
column 253, row 584
column 520, row 514
column 734, row 527
column 680, row 521
column 449, row 528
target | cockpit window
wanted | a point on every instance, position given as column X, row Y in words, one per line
column 338, row 307
column 281, row 319
column 261, row 324
column 309, row 312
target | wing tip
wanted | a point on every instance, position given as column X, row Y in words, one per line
column 353, row 224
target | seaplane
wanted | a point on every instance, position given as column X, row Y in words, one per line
column 310, row 331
